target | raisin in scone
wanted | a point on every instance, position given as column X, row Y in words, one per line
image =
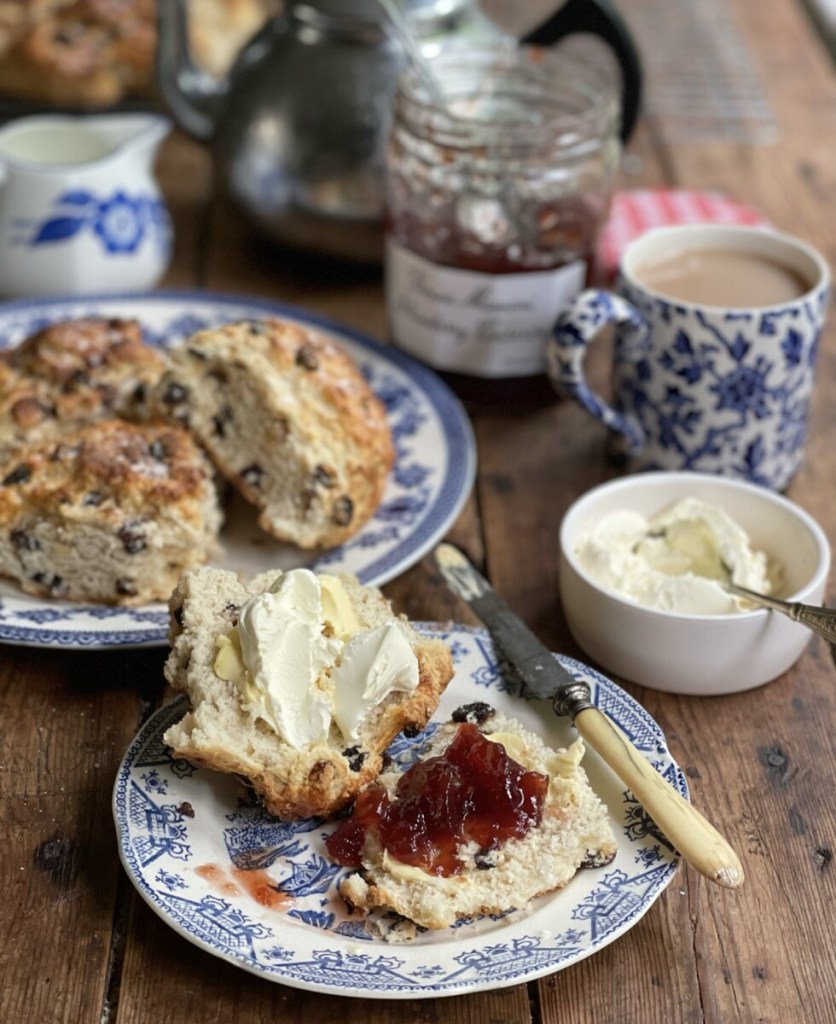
column 486, row 820
column 297, row 682
column 112, row 513
column 289, row 420
column 73, row 373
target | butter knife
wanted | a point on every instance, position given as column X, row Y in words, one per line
column 699, row 843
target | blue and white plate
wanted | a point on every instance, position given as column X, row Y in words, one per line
column 210, row 862
column 433, row 473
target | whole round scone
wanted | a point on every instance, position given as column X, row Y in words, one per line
column 289, row 420
column 478, row 830
column 298, row 682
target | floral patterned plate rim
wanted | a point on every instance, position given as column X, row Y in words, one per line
column 435, row 464
column 196, row 846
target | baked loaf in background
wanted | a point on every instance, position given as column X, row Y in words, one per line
column 112, row 513
column 73, row 373
column 223, row 734
column 289, row 420
column 574, row 832
column 94, row 53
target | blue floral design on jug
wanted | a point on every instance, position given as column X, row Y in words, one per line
column 121, row 222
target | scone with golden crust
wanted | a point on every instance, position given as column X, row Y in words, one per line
column 289, row 420
column 226, row 729
column 112, row 513
column 93, row 53
column 573, row 832
column 75, row 52
column 73, row 373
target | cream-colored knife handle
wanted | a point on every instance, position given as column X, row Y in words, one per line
column 699, row 843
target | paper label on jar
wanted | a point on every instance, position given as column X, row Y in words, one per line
column 485, row 325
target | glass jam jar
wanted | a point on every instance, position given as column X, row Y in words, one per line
column 497, row 183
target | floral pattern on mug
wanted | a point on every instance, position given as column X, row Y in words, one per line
column 721, row 391
column 742, row 407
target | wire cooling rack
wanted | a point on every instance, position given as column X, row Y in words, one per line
column 701, row 82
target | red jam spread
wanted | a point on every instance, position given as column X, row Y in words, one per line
column 473, row 792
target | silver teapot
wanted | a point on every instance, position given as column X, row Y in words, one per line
column 298, row 128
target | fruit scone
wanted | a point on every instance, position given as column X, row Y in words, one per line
column 112, row 513
column 289, row 420
column 488, row 818
column 73, row 373
column 93, row 54
column 296, row 681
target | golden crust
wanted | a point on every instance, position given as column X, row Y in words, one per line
column 129, row 468
column 73, row 373
column 140, row 496
column 87, row 52
column 59, row 351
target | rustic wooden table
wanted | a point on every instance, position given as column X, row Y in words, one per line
column 78, row 945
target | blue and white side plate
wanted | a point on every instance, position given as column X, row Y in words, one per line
column 434, row 467
column 261, row 893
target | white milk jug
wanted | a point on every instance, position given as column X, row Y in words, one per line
column 80, row 210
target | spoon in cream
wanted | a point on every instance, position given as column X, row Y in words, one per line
column 821, row 620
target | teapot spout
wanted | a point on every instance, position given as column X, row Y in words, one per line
column 193, row 97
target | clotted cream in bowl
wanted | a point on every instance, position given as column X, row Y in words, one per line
column 643, row 558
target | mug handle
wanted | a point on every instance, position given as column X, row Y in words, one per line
column 576, row 328
column 599, row 18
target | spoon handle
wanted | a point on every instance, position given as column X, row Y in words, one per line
column 700, row 844
column 821, row 620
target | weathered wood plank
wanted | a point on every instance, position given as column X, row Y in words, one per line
column 66, row 723
column 240, row 260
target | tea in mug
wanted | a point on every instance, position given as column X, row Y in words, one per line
column 722, row 277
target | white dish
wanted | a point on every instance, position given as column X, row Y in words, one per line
column 183, row 830
column 434, row 468
column 699, row 655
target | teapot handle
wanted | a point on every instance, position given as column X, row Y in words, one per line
column 599, row 18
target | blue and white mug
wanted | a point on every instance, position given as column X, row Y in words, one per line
column 716, row 388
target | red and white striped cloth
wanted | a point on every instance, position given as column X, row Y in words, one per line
column 634, row 211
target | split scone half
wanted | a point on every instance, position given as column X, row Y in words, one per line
column 73, row 373
column 289, row 420
column 486, row 820
column 111, row 513
column 298, row 682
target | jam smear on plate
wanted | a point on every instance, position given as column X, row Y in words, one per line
column 473, row 792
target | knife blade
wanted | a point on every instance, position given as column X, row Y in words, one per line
column 541, row 674
column 699, row 843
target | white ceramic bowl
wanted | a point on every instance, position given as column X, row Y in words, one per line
column 701, row 655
